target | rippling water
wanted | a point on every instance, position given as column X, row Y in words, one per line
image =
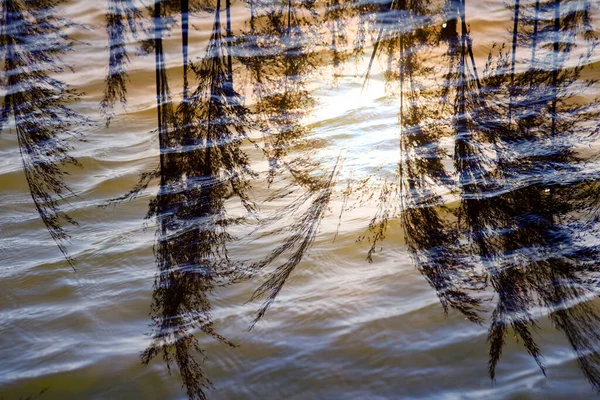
column 400, row 198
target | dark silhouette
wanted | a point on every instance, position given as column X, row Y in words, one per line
column 430, row 239
column 279, row 58
column 524, row 204
column 201, row 166
column 123, row 22
column 516, row 237
column 516, row 234
column 31, row 46
column 298, row 241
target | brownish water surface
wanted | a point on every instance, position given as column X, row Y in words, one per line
column 435, row 215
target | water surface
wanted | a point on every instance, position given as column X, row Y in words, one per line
column 299, row 199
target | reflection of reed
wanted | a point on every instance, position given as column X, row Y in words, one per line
column 517, row 235
column 514, row 233
column 201, row 166
column 281, row 57
column 122, row 21
column 435, row 247
column 302, row 235
column 31, row 46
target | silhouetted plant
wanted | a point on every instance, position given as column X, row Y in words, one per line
column 302, row 234
column 123, row 22
column 202, row 165
column 280, row 57
column 429, row 235
column 516, row 234
column 31, row 45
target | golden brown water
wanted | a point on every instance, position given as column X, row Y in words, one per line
column 341, row 327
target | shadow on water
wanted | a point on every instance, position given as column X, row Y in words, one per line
column 496, row 200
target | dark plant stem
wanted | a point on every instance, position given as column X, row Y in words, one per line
column 535, row 33
column 229, row 36
column 513, row 61
column 185, row 9
column 556, row 49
